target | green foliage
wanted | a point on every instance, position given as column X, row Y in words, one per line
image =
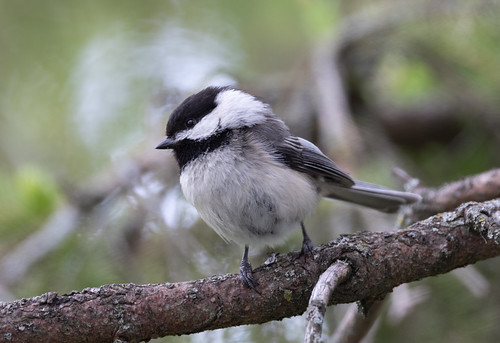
column 406, row 81
column 26, row 198
column 464, row 156
column 37, row 191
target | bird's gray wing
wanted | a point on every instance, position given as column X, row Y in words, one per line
column 302, row 155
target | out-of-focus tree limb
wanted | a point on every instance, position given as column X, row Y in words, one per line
column 64, row 221
column 479, row 187
column 16, row 263
column 356, row 324
column 380, row 261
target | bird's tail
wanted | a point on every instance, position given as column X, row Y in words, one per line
column 371, row 195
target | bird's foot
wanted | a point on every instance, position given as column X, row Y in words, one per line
column 246, row 275
column 246, row 271
column 307, row 244
column 307, row 247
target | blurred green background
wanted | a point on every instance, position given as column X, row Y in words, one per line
column 86, row 89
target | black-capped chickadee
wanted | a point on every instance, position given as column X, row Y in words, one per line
column 249, row 178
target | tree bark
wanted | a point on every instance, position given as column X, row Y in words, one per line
column 380, row 261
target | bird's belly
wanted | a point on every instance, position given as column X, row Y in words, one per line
column 255, row 202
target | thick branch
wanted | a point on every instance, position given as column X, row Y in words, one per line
column 381, row 261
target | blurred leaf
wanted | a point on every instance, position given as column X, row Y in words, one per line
column 404, row 81
column 37, row 190
column 26, row 198
column 319, row 16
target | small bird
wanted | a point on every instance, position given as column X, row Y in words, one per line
column 249, row 178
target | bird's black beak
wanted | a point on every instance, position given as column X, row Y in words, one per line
column 168, row 143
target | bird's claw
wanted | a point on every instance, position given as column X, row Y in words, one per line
column 246, row 275
column 307, row 247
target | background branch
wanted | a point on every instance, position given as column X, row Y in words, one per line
column 479, row 187
column 356, row 324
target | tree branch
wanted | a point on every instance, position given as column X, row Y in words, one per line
column 320, row 297
column 479, row 187
column 380, row 260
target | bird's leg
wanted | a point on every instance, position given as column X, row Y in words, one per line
column 246, row 270
column 307, row 244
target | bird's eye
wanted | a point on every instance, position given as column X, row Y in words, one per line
column 190, row 123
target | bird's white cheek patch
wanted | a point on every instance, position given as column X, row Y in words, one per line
column 237, row 109
column 204, row 129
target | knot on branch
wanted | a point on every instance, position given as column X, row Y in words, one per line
column 483, row 218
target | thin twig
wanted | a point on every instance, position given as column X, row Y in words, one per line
column 320, row 296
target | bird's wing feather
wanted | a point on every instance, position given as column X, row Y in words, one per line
column 304, row 156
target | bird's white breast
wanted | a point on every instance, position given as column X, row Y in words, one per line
column 246, row 196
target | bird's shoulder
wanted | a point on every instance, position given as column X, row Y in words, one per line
column 298, row 153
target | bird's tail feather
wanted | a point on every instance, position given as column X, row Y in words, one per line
column 371, row 195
